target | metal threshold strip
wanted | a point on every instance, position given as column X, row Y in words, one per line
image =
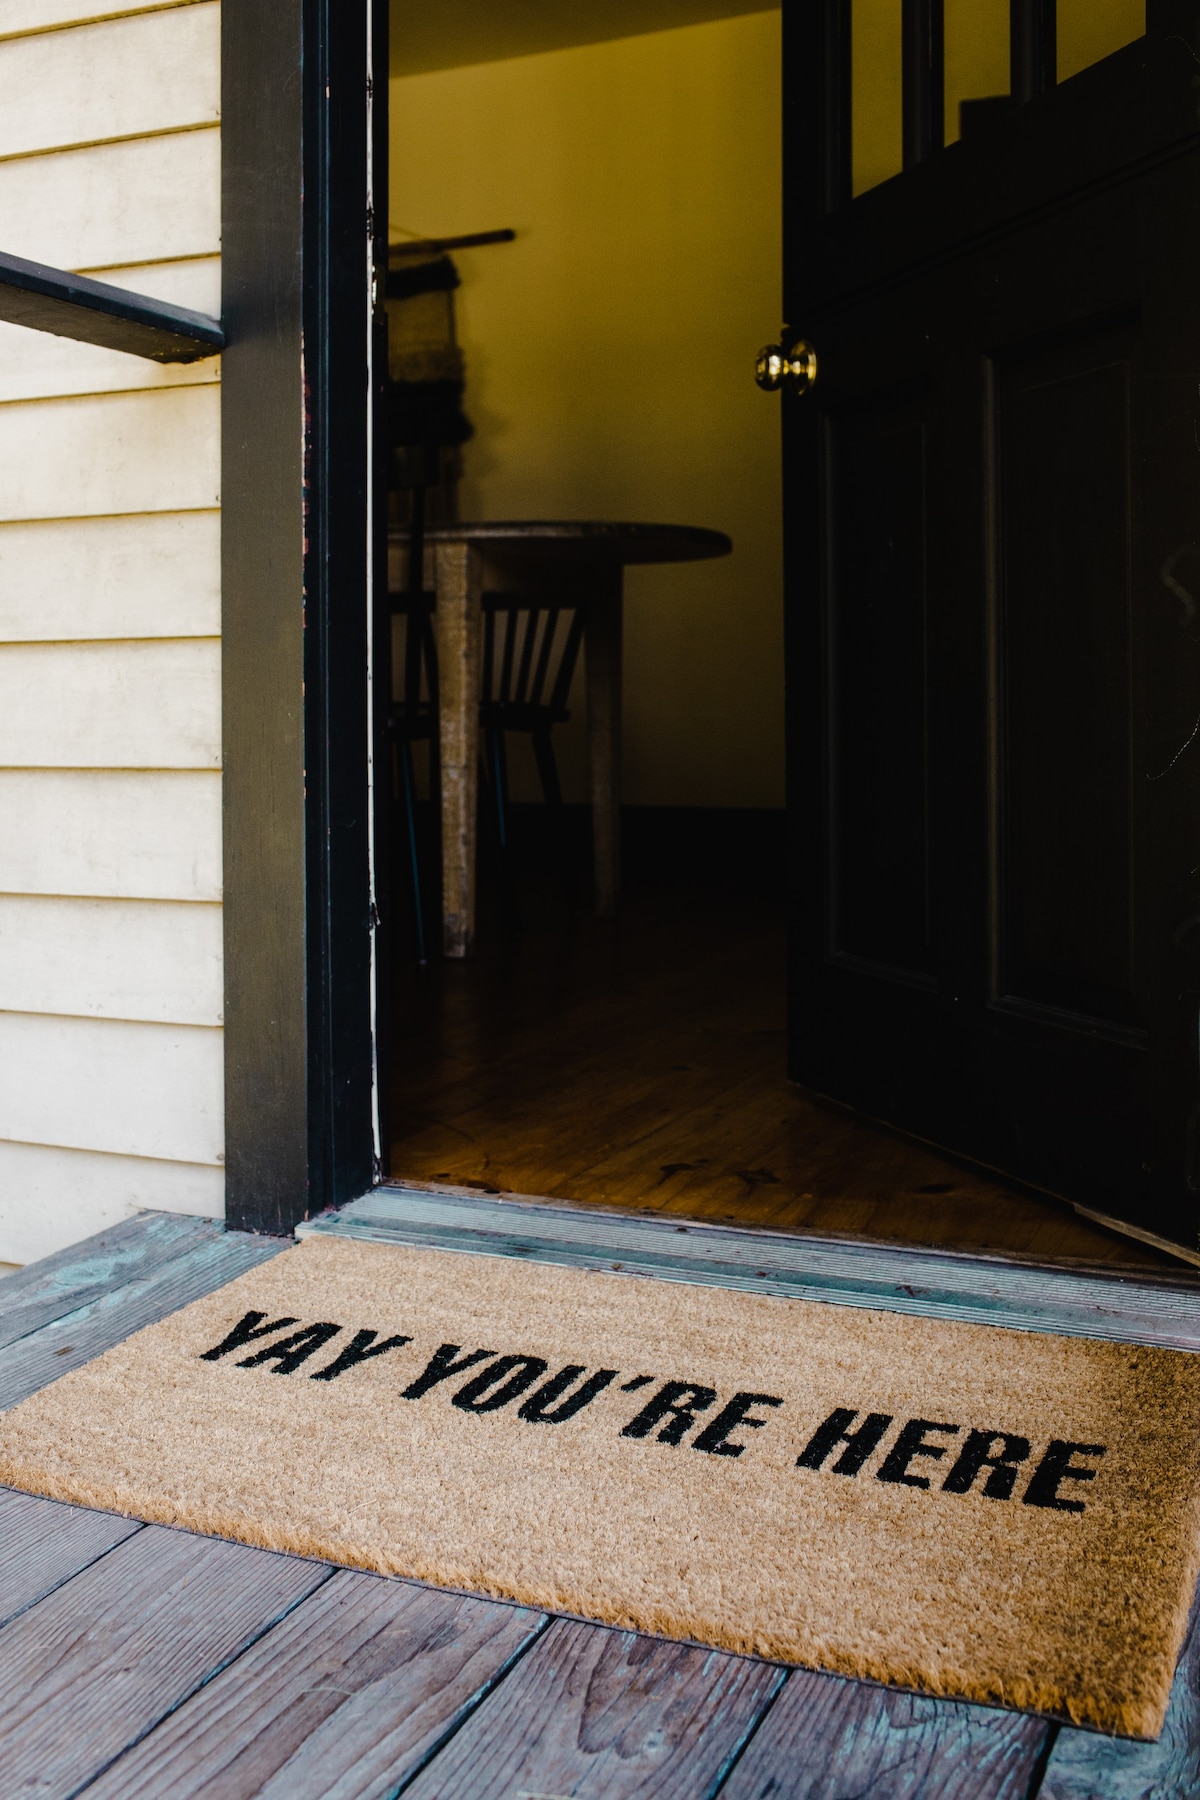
column 984, row 1290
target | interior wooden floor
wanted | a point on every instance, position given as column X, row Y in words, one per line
column 640, row 1063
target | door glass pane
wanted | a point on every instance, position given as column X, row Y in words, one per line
column 876, row 108
column 977, row 58
column 1091, row 29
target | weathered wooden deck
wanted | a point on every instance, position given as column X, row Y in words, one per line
column 138, row 1663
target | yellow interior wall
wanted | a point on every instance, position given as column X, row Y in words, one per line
column 978, row 55
column 610, row 352
column 977, row 64
column 877, row 107
column 1090, row 29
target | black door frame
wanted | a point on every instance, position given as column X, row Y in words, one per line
column 304, row 226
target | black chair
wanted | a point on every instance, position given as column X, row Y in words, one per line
column 530, row 652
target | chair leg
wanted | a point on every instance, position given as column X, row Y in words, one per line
column 497, row 774
column 547, row 766
column 408, row 796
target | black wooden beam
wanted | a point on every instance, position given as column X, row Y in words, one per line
column 296, row 485
column 1033, row 28
column 93, row 312
column 924, row 79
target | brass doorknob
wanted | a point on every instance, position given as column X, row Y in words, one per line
column 793, row 367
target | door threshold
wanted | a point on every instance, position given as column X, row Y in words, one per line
column 1093, row 1300
column 1167, row 1245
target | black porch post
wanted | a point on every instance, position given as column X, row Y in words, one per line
column 296, row 481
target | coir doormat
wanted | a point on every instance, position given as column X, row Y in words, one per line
column 987, row 1514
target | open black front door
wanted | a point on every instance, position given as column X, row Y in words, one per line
column 993, row 501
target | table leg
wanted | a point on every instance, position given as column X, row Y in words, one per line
column 603, row 662
column 458, row 616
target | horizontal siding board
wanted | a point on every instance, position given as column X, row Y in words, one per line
column 143, row 705
column 150, row 960
column 35, row 365
column 147, row 200
column 101, row 1084
column 151, row 836
column 51, row 1197
column 110, row 833
column 115, row 453
column 145, row 576
column 29, row 17
column 119, row 78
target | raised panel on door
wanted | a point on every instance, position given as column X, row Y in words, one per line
column 1066, row 630
column 994, row 620
column 878, row 752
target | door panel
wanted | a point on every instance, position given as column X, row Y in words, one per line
column 1065, row 632
column 879, row 817
column 994, row 628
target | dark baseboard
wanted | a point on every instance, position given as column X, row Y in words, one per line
column 709, row 845
column 701, row 848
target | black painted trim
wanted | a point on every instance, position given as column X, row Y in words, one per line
column 94, row 312
column 924, row 79
column 296, row 622
column 1033, row 26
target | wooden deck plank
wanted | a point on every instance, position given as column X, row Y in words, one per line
column 826, row 1738
column 1085, row 1766
column 593, row 1712
column 347, row 1696
column 59, row 1284
column 42, row 1544
column 78, row 1336
column 93, row 1667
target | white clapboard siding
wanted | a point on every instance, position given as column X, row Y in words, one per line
column 154, row 704
column 192, row 281
column 110, row 834
column 20, row 18
column 146, row 200
column 149, row 575
column 113, row 453
column 111, row 983
column 151, row 960
column 50, row 1197
column 120, row 78
column 35, row 365
column 104, row 1084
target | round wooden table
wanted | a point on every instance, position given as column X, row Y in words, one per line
column 579, row 563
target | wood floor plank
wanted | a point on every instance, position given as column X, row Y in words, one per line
column 1085, row 1766
column 43, row 1543
column 593, row 1712
column 59, row 1284
column 68, row 1342
column 826, row 1738
column 347, row 1696
column 641, row 1064
column 89, row 1670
